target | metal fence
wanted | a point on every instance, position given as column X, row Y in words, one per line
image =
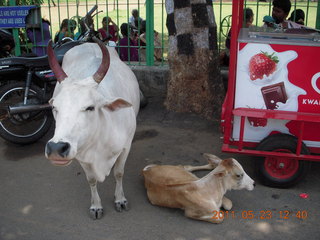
column 153, row 11
column 260, row 9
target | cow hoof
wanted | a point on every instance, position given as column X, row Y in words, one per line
column 121, row 205
column 96, row 213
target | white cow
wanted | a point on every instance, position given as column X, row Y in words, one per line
column 95, row 112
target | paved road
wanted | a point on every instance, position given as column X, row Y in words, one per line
column 39, row 201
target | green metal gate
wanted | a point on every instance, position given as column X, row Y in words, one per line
column 153, row 11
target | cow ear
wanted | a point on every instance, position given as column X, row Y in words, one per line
column 116, row 104
column 213, row 159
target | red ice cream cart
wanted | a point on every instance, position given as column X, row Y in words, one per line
column 272, row 106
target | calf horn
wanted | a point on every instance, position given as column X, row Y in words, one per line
column 105, row 63
column 54, row 64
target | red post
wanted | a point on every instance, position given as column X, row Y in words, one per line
column 237, row 18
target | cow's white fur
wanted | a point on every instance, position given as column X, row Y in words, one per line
column 99, row 139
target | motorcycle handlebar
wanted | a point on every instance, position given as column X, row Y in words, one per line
column 95, row 7
column 88, row 20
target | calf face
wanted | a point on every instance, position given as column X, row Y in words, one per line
column 234, row 177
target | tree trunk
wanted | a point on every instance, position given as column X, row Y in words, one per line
column 195, row 84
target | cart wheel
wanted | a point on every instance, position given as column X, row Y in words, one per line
column 279, row 171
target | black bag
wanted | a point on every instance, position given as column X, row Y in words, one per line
column 6, row 43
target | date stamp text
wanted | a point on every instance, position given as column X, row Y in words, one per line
column 262, row 215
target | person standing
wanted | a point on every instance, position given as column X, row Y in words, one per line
column 40, row 37
column 135, row 20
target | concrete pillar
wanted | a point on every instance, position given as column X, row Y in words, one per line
column 194, row 84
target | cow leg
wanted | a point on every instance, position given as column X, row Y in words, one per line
column 118, row 171
column 96, row 209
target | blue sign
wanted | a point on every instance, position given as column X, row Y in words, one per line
column 14, row 17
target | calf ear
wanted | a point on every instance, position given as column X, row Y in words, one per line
column 220, row 174
column 228, row 163
column 116, row 104
column 213, row 159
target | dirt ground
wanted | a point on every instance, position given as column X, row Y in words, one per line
column 40, row 201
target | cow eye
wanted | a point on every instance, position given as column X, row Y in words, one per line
column 239, row 175
column 91, row 108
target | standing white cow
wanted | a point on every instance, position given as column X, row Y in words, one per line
column 95, row 111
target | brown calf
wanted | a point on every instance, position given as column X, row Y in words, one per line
column 176, row 187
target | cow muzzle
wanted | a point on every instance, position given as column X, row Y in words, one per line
column 58, row 153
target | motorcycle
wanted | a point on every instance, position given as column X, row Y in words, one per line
column 26, row 86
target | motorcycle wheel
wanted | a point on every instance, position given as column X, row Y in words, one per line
column 22, row 128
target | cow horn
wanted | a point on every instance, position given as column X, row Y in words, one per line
column 54, row 64
column 105, row 63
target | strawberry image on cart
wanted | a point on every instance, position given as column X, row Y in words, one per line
column 261, row 65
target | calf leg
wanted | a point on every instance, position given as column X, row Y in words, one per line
column 213, row 217
column 96, row 210
column 118, row 171
column 226, row 203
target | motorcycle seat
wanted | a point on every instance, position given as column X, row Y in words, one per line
column 42, row 61
column 26, row 61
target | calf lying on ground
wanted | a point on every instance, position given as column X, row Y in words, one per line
column 177, row 187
